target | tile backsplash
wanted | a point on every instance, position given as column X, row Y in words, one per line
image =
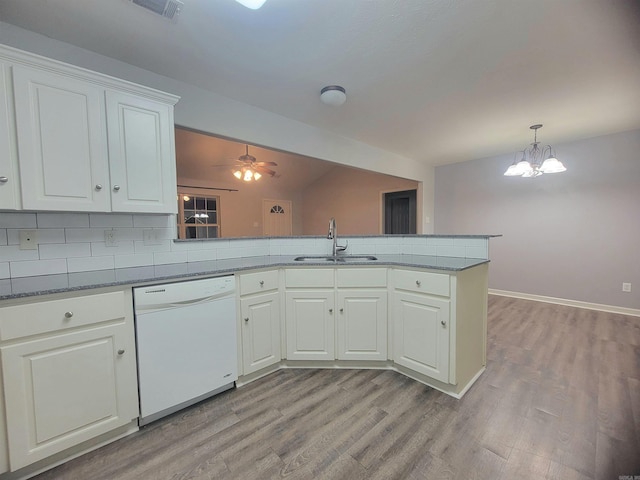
column 77, row 242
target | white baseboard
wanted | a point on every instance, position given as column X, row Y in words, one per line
column 570, row 303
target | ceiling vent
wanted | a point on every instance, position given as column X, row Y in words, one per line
column 167, row 8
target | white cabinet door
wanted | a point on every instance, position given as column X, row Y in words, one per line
column 9, row 192
column 67, row 388
column 62, row 145
column 362, row 325
column 260, row 331
column 310, row 325
column 421, row 334
column 141, row 154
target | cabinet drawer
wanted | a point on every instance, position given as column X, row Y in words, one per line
column 258, row 282
column 362, row 277
column 309, row 278
column 48, row 316
column 422, row 282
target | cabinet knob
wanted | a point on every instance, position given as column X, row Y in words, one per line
column 262, row 283
column 418, row 283
column 98, row 187
column 121, row 352
column 68, row 314
column 116, row 188
column 4, row 179
column 246, row 319
column 443, row 323
column 331, row 310
column 342, row 310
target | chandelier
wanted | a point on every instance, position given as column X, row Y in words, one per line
column 247, row 174
column 531, row 163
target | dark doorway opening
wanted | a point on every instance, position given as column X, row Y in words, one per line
column 400, row 212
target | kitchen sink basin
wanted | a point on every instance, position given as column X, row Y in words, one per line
column 339, row 258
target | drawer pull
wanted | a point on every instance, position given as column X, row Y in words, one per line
column 68, row 314
column 331, row 310
column 418, row 283
column 443, row 323
column 262, row 283
column 342, row 310
column 98, row 187
column 246, row 319
column 4, row 179
column 116, row 188
column 121, row 352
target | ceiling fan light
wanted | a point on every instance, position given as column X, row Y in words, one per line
column 513, row 171
column 238, row 174
column 252, row 4
column 552, row 165
column 333, row 95
column 257, row 176
column 248, row 175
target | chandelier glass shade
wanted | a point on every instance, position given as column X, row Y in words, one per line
column 247, row 174
column 534, row 161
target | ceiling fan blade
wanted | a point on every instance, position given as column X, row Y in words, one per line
column 265, row 171
column 263, row 164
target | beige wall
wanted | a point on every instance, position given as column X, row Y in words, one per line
column 359, row 190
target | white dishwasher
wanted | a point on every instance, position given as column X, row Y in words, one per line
column 187, row 347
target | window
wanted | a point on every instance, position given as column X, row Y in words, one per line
column 198, row 216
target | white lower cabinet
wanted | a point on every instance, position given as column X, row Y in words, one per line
column 260, row 328
column 69, row 373
column 310, row 325
column 421, row 334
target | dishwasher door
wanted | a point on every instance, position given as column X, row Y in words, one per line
column 185, row 354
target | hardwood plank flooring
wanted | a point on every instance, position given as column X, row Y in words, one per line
column 560, row 400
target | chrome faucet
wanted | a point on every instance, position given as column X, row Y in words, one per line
column 333, row 235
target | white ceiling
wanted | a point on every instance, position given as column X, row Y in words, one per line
column 438, row 81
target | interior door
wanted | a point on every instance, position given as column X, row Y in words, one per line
column 276, row 218
column 400, row 212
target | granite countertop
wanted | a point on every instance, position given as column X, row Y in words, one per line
column 48, row 284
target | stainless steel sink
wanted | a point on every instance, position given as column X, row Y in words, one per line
column 337, row 258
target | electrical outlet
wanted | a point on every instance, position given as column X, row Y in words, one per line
column 110, row 238
column 28, row 239
column 626, row 287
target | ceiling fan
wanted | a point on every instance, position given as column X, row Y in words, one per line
column 247, row 168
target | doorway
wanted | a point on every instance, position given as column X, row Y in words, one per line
column 276, row 218
column 400, row 212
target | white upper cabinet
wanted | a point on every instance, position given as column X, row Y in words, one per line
column 141, row 154
column 86, row 142
column 9, row 190
column 61, row 142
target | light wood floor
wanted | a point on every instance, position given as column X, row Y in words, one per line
column 560, row 400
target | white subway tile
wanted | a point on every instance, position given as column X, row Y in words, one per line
column 140, row 247
column 43, row 235
column 476, row 252
column 423, row 250
column 85, row 264
column 469, row 242
column 201, row 255
column 161, row 221
column 74, row 235
column 4, row 270
column 275, row 250
column 12, row 253
column 127, row 233
column 3, row 236
column 64, row 250
column 62, row 220
column 136, row 260
column 110, row 220
column 450, row 251
column 387, row 249
column 122, row 247
column 18, row 220
column 32, row 268
column 161, row 258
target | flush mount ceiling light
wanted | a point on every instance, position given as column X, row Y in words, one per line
column 252, row 4
column 333, row 95
column 531, row 162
